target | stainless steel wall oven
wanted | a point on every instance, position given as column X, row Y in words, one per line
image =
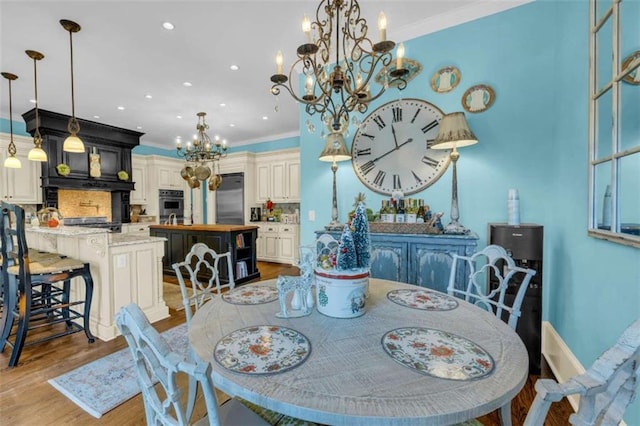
column 171, row 202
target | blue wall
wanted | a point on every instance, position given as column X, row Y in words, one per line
column 533, row 138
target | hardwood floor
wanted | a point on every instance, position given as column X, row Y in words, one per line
column 27, row 399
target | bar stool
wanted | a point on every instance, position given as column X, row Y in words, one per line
column 37, row 291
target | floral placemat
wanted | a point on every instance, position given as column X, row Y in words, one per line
column 427, row 300
column 437, row 353
column 263, row 349
column 253, row 295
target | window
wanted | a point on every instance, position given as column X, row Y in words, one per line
column 614, row 121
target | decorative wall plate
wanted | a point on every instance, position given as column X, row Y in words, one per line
column 634, row 76
column 445, row 79
column 437, row 353
column 412, row 66
column 262, row 349
column 253, row 295
column 426, row 300
column 478, row 98
column 63, row 169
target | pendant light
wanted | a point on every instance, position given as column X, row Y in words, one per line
column 11, row 161
column 72, row 143
column 36, row 153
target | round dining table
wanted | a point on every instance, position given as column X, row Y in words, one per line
column 348, row 375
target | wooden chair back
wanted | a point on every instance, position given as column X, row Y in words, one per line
column 606, row 389
column 201, row 259
column 493, row 261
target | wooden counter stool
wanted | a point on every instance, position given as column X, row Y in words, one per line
column 37, row 291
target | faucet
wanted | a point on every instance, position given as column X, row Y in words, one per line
column 173, row 220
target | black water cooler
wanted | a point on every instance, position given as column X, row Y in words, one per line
column 524, row 244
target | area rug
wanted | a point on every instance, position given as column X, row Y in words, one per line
column 172, row 296
column 102, row 385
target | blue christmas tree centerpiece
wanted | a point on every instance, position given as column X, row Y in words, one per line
column 342, row 271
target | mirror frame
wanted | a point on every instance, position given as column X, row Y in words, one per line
column 602, row 20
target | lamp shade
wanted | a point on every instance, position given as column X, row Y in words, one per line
column 37, row 154
column 454, row 132
column 335, row 149
column 73, row 144
column 11, row 162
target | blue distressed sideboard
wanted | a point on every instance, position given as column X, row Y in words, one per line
column 420, row 259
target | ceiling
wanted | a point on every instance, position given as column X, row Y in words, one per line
column 123, row 53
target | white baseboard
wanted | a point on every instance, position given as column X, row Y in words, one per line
column 561, row 360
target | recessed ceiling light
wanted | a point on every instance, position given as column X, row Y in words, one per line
column 179, row 116
column 167, row 26
column 33, row 101
column 96, row 116
column 223, row 105
column 232, row 125
column 138, row 127
column 234, row 67
column 265, row 117
column 148, row 96
column 121, row 108
column 187, row 84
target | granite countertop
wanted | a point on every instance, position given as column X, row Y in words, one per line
column 129, row 239
column 66, row 230
column 206, row 228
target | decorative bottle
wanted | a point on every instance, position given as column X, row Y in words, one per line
column 400, row 213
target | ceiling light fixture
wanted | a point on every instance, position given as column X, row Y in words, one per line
column 199, row 152
column 148, row 96
column 36, row 153
column 339, row 65
column 121, row 108
column 234, row 68
column 168, row 26
column 11, row 162
column 187, row 84
column 72, row 143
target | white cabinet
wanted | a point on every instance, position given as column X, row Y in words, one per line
column 169, row 176
column 162, row 173
column 139, row 177
column 20, row 185
column 277, row 243
column 137, row 228
column 278, row 178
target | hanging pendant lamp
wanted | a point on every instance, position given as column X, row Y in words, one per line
column 36, row 153
column 11, row 162
column 72, row 143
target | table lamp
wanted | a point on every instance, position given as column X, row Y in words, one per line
column 454, row 133
column 334, row 150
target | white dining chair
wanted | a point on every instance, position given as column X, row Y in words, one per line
column 606, row 389
column 512, row 282
column 202, row 261
column 157, row 365
column 504, row 300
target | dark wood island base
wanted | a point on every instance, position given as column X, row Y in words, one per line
column 240, row 240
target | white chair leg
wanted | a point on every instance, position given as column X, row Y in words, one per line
column 505, row 414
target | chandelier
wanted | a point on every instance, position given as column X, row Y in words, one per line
column 338, row 62
column 201, row 151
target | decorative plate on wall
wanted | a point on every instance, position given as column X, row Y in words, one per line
column 445, row 79
column 412, row 66
column 478, row 98
column 634, row 76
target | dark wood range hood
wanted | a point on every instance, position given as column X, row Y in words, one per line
column 113, row 144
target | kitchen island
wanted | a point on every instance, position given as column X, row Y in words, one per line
column 240, row 240
column 125, row 269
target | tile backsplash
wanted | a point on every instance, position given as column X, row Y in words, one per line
column 77, row 203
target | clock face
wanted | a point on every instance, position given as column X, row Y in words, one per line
column 391, row 150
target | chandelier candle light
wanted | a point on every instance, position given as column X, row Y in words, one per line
column 454, row 133
column 11, row 162
column 72, row 143
column 200, row 151
column 36, row 153
column 337, row 85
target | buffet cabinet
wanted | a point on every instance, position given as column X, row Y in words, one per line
column 420, row 259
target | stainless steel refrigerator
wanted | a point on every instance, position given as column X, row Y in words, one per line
column 230, row 199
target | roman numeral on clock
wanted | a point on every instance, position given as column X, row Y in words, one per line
column 417, row 178
column 367, row 167
column 415, row 116
column 379, row 121
column 430, row 143
column 366, row 151
column 366, row 135
column 379, row 178
column 430, row 161
column 397, row 114
column 396, row 182
column 430, row 126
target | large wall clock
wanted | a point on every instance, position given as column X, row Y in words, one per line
column 391, row 150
